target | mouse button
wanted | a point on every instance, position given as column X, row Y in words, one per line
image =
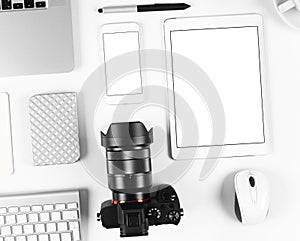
column 240, row 189
column 262, row 186
column 241, row 179
column 263, row 196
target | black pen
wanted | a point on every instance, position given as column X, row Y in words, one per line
column 144, row 8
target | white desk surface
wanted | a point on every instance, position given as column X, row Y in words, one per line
column 207, row 214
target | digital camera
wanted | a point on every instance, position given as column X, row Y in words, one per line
column 136, row 204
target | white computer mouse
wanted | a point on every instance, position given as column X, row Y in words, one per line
column 252, row 196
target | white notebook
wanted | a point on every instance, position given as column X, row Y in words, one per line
column 6, row 152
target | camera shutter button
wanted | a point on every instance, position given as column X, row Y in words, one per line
column 166, row 196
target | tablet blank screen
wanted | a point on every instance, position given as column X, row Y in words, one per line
column 231, row 58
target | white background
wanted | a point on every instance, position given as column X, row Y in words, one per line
column 207, row 216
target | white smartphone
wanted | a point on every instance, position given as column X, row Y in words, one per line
column 121, row 44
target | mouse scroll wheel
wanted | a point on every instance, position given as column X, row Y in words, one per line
column 252, row 181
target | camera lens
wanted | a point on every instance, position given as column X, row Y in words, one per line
column 128, row 161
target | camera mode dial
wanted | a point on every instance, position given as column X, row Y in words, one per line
column 154, row 213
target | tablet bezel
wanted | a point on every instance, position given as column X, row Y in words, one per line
column 205, row 152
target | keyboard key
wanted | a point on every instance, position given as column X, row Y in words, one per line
column 54, row 237
column 28, row 229
column 60, row 206
column 70, row 215
column 62, row 226
column 72, row 206
column 33, row 217
column 2, row 220
column 44, row 237
column 21, row 218
column 5, row 231
column 51, row 227
column 6, row 4
column 32, row 238
column 48, row 207
column 1, row 238
column 10, row 219
column 9, row 239
column 29, row 3
column 66, row 237
column 55, row 216
column 13, row 209
column 44, row 217
column 16, row 230
column 40, row 228
column 74, row 226
column 18, row 5
column 3, row 211
column 37, row 208
column 25, row 209
column 21, row 238
column 40, row 4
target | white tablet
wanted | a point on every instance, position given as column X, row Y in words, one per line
column 229, row 52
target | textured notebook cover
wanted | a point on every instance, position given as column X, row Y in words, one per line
column 54, row 129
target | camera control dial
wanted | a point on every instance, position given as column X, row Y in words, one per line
column 154, row 213
column 174, row 216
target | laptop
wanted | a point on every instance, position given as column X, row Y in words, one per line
column 36, row 37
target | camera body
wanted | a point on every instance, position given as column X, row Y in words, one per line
column 134, row 218
column 136, row 204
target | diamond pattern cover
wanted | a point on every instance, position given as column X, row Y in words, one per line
column 54, row 129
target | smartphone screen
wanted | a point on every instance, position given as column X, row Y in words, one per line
column 117, row 44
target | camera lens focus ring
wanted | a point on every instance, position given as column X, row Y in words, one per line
column 128, row 160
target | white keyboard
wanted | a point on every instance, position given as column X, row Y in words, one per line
column 40, row 217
